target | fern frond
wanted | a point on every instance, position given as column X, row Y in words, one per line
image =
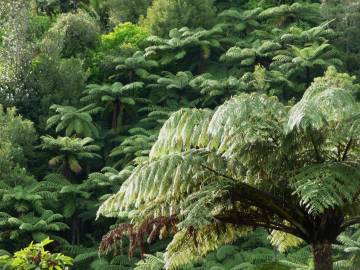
column 327, row 185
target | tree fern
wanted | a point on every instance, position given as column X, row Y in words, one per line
column 306, row 12
column 74, row 121
column 223, row 163
column 69, row 151
column 115, row 98
column 180, row 42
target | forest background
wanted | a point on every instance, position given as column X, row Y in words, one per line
column 86, row 86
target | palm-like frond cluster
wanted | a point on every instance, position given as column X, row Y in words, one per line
column 70, row 151
column 238, row 118
column 211, row 161
column 74, row 121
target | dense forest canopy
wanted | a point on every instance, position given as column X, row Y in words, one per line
column 179, row 134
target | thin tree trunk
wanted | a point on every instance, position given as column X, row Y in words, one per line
column 66, row 169
column 73, row 232
column 75, row 239
column 115, row 116
column 322, row 256
column 131, row 76
column 77, row 232
column 202, row 64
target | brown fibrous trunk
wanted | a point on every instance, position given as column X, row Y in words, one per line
column 322, row 255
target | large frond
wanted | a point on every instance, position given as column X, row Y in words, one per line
column 327, row 185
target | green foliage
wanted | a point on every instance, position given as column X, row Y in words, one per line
column 183, row 44
column 346, row 24
column 151, row 262
column 115, row 98
column 24, row 201
column 303, row 60
column 229, row 156
column 134, row 147
column 16, row 50
column 323, row 186
column 134, row 66
column 36, row 257
column 73, row 121
column 127, row 11
column 211, row 86
column 69, row 152
column 298, row 12
column 54, row 7
column 243, row 142
column 249, row 252
column 124, row 39
column 38, row 227
column 126, row 34
column 71, row 35
column 348, row 248
column 57, row 81
column 40, row 25
column 300, row 260
column 17, row 136
column 164, row 15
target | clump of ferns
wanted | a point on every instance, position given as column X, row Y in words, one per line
column 145, row 233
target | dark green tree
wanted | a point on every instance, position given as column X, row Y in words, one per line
column 128, row 11
column 164, row 15
column 346, row 24
column 72, row 35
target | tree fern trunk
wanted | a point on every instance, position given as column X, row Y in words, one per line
column 131, row 76
column 202, row 65
column 322, row 255
column 115, row 116
column 66, row 169
column 75, row 229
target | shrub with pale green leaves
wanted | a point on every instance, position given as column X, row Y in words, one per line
column 35, row 257
column 17, row 136
column 126, row 34
column 164, row 15
column 126, row 38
